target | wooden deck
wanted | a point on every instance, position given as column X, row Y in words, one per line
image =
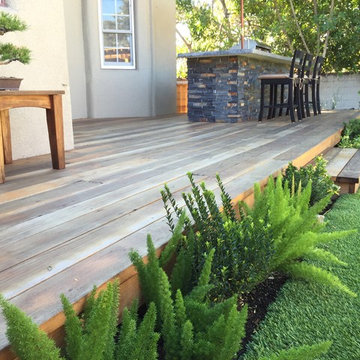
column 64, row 231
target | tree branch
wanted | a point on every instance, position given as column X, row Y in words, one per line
column 298, row 25
column 188, row 45
column 332, row 5
column 317, row 28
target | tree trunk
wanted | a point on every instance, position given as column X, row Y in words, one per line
column 317, row 28
column 332, row 6
column 298, row 25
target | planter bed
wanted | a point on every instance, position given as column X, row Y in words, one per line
column 306, row 313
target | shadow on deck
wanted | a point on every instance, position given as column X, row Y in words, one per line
column 64, row 231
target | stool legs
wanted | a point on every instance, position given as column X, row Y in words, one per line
column 271, row 104
column 291, row 104
column 313, row 97
column 281, row 99
column 318, row 106
column 262, row 101
column 275, row 101
column 307, row 100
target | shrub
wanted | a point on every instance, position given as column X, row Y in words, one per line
column 296, row 231
column 279, row 231
column 191, row 327
column 91, row 337
column 322, row 185
column 242, row 251
column 350, row 136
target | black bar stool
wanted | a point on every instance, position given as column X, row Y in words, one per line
column 292, row 81
column 315, row 85
column 304, row 87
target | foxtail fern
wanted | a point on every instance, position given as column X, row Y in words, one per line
column 91, row 337
column 209, row 331
column 296, row 230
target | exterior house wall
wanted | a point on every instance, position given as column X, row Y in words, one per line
column 76, row 57
column 47, row 71
column 340, row 91
column 148, row 90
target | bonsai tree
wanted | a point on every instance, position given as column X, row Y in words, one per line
column 8, row 51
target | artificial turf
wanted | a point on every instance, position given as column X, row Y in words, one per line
column 305, row 314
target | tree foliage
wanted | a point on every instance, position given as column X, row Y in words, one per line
column 8, row 51
column 321, row 27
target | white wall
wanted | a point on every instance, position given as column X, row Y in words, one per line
column 76, row 57
column 148, row 90
column 340, row 91
column 47, row 71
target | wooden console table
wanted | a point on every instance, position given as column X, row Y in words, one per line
column 49, row 100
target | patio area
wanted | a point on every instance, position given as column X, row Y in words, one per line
column 64, row 231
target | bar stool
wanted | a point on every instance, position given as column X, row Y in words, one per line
column 315, row 85
column 292, row 81
column 305, row 82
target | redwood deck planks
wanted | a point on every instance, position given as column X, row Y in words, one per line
column 83, row 221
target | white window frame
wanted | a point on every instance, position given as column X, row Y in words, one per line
column 118, row 66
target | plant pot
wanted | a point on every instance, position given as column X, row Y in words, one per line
column 9, row 83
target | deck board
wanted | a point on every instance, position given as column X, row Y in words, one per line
column 64, row 231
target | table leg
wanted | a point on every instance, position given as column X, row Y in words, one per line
column 54, row 118
column 2, row 163
column 6, row 135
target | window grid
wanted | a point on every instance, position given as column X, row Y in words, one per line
column 125, row 52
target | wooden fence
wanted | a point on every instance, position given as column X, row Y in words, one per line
column 181, row 97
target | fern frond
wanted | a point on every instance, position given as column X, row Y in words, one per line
column 302, row 353
column 73, row 330
column 27, row 340
column 174, row 241
column 313, row 273
column 323, row 255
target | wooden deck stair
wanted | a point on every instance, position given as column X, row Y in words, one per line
column 344, row 168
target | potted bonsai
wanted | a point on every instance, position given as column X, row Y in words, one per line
column 10, row 52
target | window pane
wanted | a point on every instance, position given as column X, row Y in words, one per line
column 123, row 40
column 124, row 52
column 123, row 23
column 110, row 40
column 110, row 55
column 123, row 7
column 109, row 22
column 108, row 6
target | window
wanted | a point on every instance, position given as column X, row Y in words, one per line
column 117, row 34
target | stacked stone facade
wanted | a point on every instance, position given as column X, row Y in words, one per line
column 226, row 88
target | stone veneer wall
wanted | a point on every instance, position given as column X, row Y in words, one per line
column 226, row 88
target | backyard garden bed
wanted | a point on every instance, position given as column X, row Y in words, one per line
column 305, row 313
column 228, row 271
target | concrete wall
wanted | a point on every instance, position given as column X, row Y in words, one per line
column 47, row 71
column 148, row 90
column 340, row 91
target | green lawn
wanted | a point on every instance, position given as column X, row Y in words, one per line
column 309, row 313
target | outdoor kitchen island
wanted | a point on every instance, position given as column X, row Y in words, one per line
column 223, row 85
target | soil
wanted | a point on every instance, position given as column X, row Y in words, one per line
column 258, row 302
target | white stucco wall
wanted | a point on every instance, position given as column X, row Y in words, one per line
column 340, row 91
column 148, row 90
column 47, row 71
column 76, row 57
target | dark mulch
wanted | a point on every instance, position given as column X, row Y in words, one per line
column 258, row 302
